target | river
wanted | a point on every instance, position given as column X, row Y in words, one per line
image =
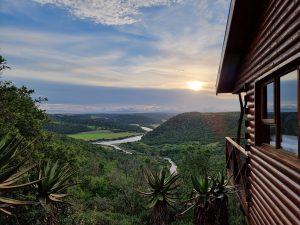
column 115, row 143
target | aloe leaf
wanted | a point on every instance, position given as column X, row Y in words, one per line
column 15, row 201
column 6, row 211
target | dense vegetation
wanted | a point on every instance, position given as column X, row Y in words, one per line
column 71, row 124
column 202, row 127
column 108, row 182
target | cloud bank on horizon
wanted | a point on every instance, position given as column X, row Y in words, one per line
column 158, row 44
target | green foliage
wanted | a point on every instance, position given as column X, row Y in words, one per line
column 209, row 198
column 162, row 194
column 10, row 173
column 88, row 122
column 19, row 111
column 108, row 179
column 66, row 128
column 161, row 187
column 187, row 127
column 3, row 65
column 53, row 183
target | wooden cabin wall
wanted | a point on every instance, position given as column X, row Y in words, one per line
column 276, row 42
column 274, row 180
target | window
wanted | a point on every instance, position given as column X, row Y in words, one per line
column 279, row 112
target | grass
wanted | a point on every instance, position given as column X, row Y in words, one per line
column 102, row 134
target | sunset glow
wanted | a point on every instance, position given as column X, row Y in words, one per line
column 195, row 85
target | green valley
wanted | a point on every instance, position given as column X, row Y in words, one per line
column 106, row 184
column 102, row 135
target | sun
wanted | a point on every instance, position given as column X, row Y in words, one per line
column 195, row 85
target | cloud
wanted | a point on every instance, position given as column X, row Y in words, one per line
column 168, row 48
column 71, row 98
column 100, row 108
column 109, row 12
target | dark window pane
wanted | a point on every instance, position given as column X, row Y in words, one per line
column 289, row 112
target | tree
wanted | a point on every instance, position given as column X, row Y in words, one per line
column 161, row 194
column 19, row 111
column 3, row 65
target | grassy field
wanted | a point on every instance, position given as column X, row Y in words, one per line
column 102, row 134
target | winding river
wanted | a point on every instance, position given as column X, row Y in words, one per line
column 115, row 143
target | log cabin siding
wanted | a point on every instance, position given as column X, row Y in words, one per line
column 271, row 49
column 274, row 178
column 276, row 43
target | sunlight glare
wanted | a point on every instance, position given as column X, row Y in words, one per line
column 195, row 85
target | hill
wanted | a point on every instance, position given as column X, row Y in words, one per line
column 71, row 124
column 194, row 126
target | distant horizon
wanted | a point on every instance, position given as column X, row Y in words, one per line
column 129, row 113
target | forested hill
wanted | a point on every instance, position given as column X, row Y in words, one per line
column 194, row 126
column 71, row 124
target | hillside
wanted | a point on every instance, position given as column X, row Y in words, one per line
column 72, row 124
column 194, row 126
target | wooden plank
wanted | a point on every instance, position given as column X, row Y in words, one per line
column 270, row 209
column 250, row 130
column 275, row 195
column 262, row 206
column 257, row 216
column 280, row 53
column 289, row 165
column 250, row 117
column 279, row 171
column 260, row 188
column 280, row 31
column 283, row 59
column 253, row 219
column 269, row 16
column 238, row 147
column 282, row 34
column 250, row 105
column 287, row 196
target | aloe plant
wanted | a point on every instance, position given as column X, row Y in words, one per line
column 11, row 173
column 209, row 200
column 162, row 194
column 54, row 180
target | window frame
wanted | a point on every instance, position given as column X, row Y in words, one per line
column 264, row 123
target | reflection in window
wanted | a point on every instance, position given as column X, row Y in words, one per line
column 269, row 107
column 289, row 111
column 272, row 135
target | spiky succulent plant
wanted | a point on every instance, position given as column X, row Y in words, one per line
column 52, row 188
column 54, row 182
column 162, row 194
column 209, row 199
column 11, row 173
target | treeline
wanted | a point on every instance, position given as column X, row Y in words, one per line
column 64, row 123
column 70, row 124
column 66, row 128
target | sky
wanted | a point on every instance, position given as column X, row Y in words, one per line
column 89, row 56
